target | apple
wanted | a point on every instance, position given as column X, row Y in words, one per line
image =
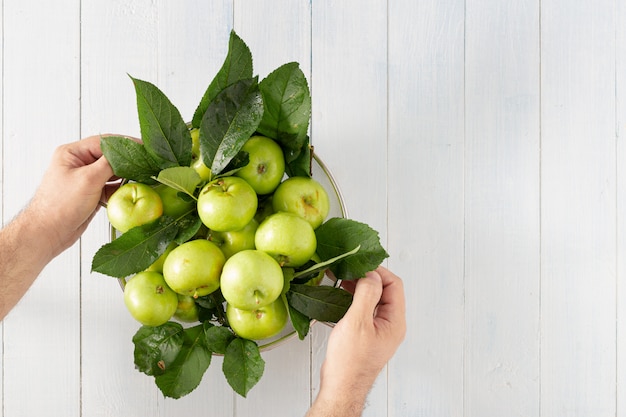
column 187, row 310
column 287, row 237
column 302, row 196
column 260, row 323
column 194, row 267
column 251, row 279
column 266, row 166
column 173, row 204
column 227, row 203
column 133, row 204
column 157, row 266
column 196, row 158
column 236, row 240
column 149, row 299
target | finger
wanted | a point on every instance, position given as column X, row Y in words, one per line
column 392, row 301
column 366, row 295
column 102, row 170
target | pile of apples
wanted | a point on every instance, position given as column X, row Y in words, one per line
column 255, row 222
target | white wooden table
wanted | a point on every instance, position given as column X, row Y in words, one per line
column 482, row 138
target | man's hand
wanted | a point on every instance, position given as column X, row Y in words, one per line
column 68, row 197
column 361, row 344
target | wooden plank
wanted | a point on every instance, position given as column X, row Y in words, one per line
column 349, row 124
column 502, row 207
column 117, row 38
column 192, row 44
column 40, row 111
column 278, row 32
column 425, row 200
column 578, row 217
column 620, row 126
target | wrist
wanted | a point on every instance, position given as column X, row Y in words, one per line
column 35, row 234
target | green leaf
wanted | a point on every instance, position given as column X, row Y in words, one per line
column 287, row 101
column 188, row 226
column 288, row 275
column 321, row 266
column 187, row 370
column 136, row 249
column 239, row 161
column 237, row 66
column 211, row 307
column 338, row 236
column 243, row 365
column 183, row 179
column 232, row 117
column 217, row 337
column 321, row 303
column 301, row 323
column 129, row 159
column 300, row 166
column 163, row 131
column 156, row 348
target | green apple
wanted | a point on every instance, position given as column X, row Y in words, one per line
column 157, row 266
column 287, row 237
column 226, row 204
column 251, row 279
column 187, row 310
column 266, row 165
column 236, row 240
column 133, row 204
column 260, row 323
column 196, row 158
column 173, row 204
column 302, row 196
column 149, row 299
column 194, row 268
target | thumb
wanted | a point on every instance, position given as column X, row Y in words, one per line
column 101, row 170
column 366, row 295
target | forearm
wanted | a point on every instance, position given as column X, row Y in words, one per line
column 342, row 403
column 342, row 393
column 25, row 249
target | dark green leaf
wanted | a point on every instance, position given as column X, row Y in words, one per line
column 163, row 131
column 300, row 322
column 338, row 236
column 211, row 307
column 230, row 120
column 287, row 102
column 217, row 337
column 156, row 348
column 136, row 249
column 188, row 226
column 237, row 66
column 243, row 365
column 187, row 370
column 129, row 159
column 239, row 161
column 300, row 166
column 321, row 303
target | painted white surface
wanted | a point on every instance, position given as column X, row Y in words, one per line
column 482, row 138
